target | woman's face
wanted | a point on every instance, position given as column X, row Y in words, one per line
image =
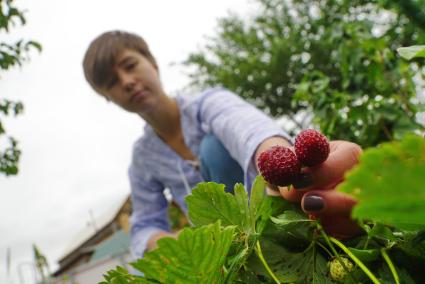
column 136, row 86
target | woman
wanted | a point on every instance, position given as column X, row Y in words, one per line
column 210, row 136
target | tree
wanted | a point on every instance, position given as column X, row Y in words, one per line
column 335, row 59
column 11, row 54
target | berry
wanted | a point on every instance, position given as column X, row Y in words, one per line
column 279, row 166
column 311, row 147
column 337, row 271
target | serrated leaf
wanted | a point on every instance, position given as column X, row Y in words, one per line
column 308, row 266
column 412, row 51
column 263, row 206
column 241, row 198
column 197, row 256
column 121, row 276
column 389, row 183
column 257, row 197
column 209, row 203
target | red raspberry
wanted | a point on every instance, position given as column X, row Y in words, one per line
column 279, row 166
column 311, row 147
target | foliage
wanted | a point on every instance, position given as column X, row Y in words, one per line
column 412, row 51
column 395, row 171
column 11, row 54
column 264, row 239
column 335, row 59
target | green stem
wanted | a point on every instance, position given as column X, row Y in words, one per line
column 324, row 248
column 390, row 265
column 366, row 244
column 356, row 260
column 336, row 254
column 260, row 255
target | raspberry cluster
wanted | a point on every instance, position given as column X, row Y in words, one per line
column 280, row 166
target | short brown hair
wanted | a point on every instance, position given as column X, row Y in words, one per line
column 100, row 56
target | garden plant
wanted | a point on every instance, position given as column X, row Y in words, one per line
column 250, row 237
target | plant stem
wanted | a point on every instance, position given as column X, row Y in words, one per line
column 325, row 236
column 366, row 243
column 260, row 255
column 325, row 249
column 336, row 254
column 390, row 265
column 355, row 259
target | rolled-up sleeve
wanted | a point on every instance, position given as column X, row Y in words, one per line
column 149, row 212
column 240, row 126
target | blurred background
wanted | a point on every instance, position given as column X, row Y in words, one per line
column 64, row 151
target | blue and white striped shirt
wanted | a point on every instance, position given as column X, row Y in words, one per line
column 155, row 166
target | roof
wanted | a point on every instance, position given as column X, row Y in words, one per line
column 87, row 232
column 118, row 243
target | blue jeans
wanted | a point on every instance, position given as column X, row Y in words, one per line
column 217, row 165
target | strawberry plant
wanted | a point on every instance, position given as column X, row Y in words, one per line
column 249, row 237
column 265, row 239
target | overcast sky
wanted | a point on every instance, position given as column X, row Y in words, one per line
column 76, row 146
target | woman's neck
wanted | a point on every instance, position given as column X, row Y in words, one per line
column 165, row 120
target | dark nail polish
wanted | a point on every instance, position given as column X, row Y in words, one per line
column 303, row 181
column 313, row 203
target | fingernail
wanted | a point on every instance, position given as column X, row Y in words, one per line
column 313, row 203
column 303, row 181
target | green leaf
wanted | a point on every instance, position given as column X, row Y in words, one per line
column 236, row 262
column 308, row 266
column 290, row 217
column 365, row 255
column 381, row 231
column 121, row 276
column 241, row 198
column 35, row 44
column 197, row 256
column 389, row 183
column 258, row 193
column 263, row 206
column 385, row 276
column 412, row 247
column 209, row 203
column 294, row 235
column 412, row 51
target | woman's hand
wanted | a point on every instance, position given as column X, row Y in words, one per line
column 317, row 194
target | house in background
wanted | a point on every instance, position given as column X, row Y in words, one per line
column 105, row 244
column 98, row 248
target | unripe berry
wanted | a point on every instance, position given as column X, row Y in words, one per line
column 337, row 271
